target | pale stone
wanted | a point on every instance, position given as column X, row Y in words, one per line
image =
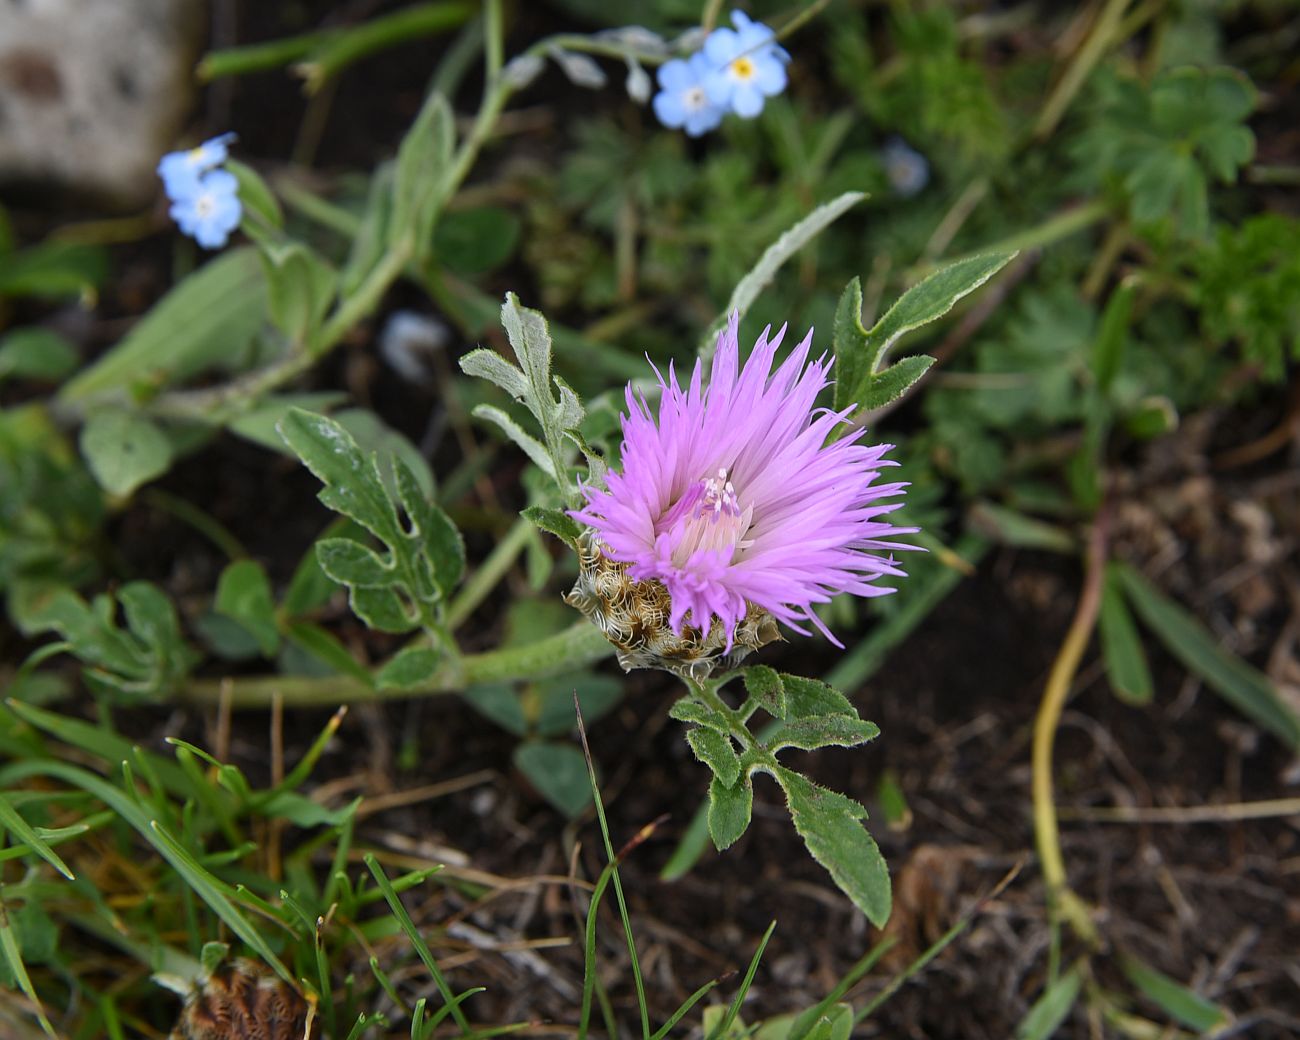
column 92, row 92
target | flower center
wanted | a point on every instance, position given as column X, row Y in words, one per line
column 708, row 517
column 204, row 205
column 742, row 68
column 694, row 99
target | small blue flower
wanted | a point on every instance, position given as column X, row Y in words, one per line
column 180, row 171
column 212, row 211
column 748, row 66
column 682, row 100
column 907, row 169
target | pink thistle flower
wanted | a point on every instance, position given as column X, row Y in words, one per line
column 733, row 499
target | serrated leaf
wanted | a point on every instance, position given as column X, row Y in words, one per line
column 351, row 563
column 554, row 522
column 352, row 483
column 716, row 752
column 1126, row 661
column 765, row 686
column 411, row 668
column 730, row 809
column 559, row 772
column 531, row 446
column 811, row 698
column 824, row 731
column 1243, row 686
column 124, row 450
column 692, row 711
column 829, row 825
column 244, row 596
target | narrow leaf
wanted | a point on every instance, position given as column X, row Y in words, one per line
column 531, row 446
column 1177, row 1001
column 795, row 238
column 1050, row 1010
column 1244, row 687
column 1126, row 661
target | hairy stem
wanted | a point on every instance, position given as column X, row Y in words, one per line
column 574, row 648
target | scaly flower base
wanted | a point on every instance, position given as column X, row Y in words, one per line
column 633, row 615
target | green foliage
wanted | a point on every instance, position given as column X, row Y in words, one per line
column 405, row 585
column 1248, row 290
column 204, row 322
column 533, row 385
column 1167, row 141
column 144, row 660
column 124, row 450
column 1242, row 686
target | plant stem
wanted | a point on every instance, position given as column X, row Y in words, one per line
column 489, row 573
column 574, row 648
column 1055, row 693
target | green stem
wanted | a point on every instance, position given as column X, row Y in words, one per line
column 574, row 648
column 489, row 573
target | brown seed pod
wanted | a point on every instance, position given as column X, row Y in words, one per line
column 633, row 615
column 241, row 1000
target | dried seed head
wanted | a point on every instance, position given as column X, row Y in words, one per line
column 241, row 1000
column 633, row 615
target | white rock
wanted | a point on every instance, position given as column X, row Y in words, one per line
column 92, row 92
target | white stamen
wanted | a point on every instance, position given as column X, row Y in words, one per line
column 716, row 523
column 694, row 99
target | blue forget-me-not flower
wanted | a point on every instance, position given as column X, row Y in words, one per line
column 205, row 200
column 180, row 171
column 737, row 70
column 210, row 212
column 682, row 101
column 748, row 66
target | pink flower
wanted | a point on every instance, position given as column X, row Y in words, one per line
column 733, row 498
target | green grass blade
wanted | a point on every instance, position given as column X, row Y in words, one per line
column 14, row 958
column 723, row 1028
column 203, row 883
column 421, row 947
column 24, row 832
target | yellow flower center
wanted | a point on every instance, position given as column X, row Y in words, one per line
column 743, row 68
